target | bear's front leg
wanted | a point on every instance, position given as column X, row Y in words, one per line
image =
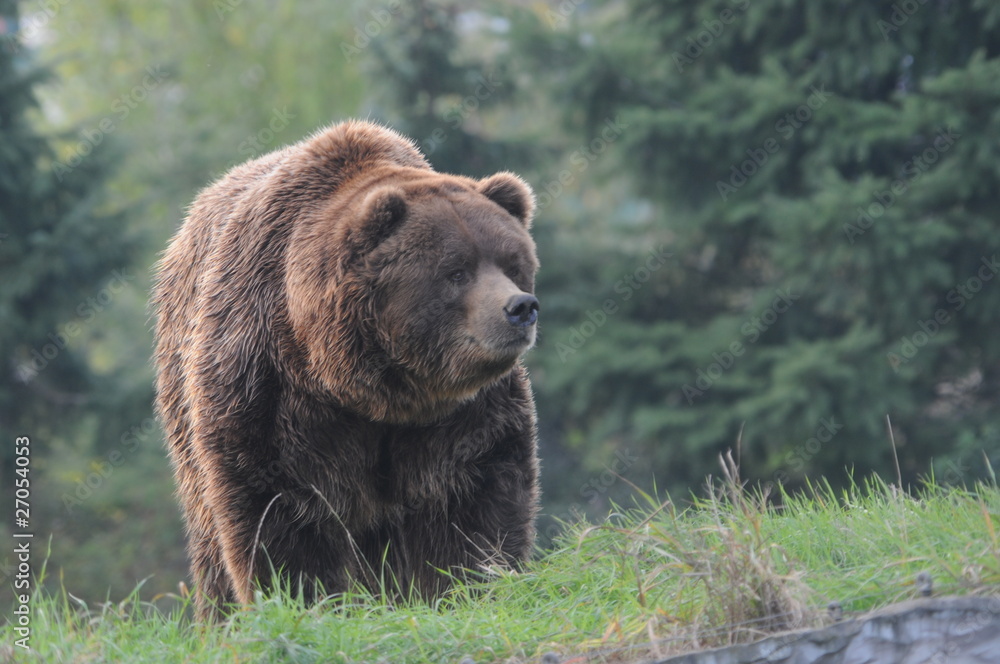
column 264, row 538
column 490, row 523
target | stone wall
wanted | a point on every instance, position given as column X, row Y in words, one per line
column 957, row 630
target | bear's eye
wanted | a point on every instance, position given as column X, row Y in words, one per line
column 458, row 276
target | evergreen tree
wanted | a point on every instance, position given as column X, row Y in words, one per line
column 441, row 84
column 824, row 177
column 64, row 260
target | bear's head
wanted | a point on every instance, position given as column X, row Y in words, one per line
column 413, row 290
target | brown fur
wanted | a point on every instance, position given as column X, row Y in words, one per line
column 336, row 377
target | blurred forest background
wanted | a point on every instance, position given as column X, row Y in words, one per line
column 773, row 221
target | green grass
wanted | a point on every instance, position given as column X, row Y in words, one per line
column 651, row 581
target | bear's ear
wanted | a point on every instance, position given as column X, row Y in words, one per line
column 511, row 193
column 382, row 212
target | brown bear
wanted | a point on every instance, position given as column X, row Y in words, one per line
column 339, row 333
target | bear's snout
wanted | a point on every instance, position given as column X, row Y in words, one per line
column 522, row 310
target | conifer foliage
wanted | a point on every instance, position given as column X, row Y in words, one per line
column 63, row 261
column 824, row 176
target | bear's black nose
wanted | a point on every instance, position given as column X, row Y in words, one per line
column 522, row 310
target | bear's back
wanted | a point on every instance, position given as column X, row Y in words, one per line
column 318, row 165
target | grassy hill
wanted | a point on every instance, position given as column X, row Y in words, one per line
column 652, row 580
